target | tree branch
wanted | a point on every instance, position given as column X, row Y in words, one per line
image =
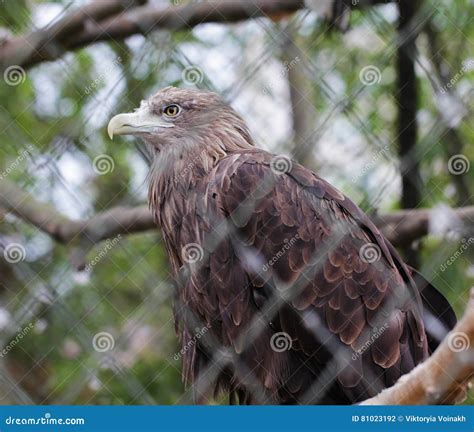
column 100, row 21
column 15, row 200
column 80, row 234
column 401, row 228
column 105, row 20
column 443, row 378
column 50, row 42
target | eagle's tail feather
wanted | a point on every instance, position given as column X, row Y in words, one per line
column 438, row 315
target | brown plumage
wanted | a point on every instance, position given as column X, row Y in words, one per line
column 266, row 230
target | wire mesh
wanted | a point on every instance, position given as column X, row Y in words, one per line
column 105, row 336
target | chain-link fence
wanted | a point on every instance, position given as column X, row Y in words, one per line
column 87, row 301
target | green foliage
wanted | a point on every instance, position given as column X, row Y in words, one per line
column 58, row 115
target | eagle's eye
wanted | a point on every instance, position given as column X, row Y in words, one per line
column 171, row 110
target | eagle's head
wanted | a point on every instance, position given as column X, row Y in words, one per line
column 181, row 121
column 188, row 132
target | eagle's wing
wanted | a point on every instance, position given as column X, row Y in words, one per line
column 347, row 303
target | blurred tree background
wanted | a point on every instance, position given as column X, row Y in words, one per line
column 375, row 96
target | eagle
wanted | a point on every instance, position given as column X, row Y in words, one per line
column 302, row 298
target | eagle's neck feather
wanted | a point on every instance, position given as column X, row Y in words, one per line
column 177, row 168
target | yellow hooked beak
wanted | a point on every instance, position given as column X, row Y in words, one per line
column 140, row 121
